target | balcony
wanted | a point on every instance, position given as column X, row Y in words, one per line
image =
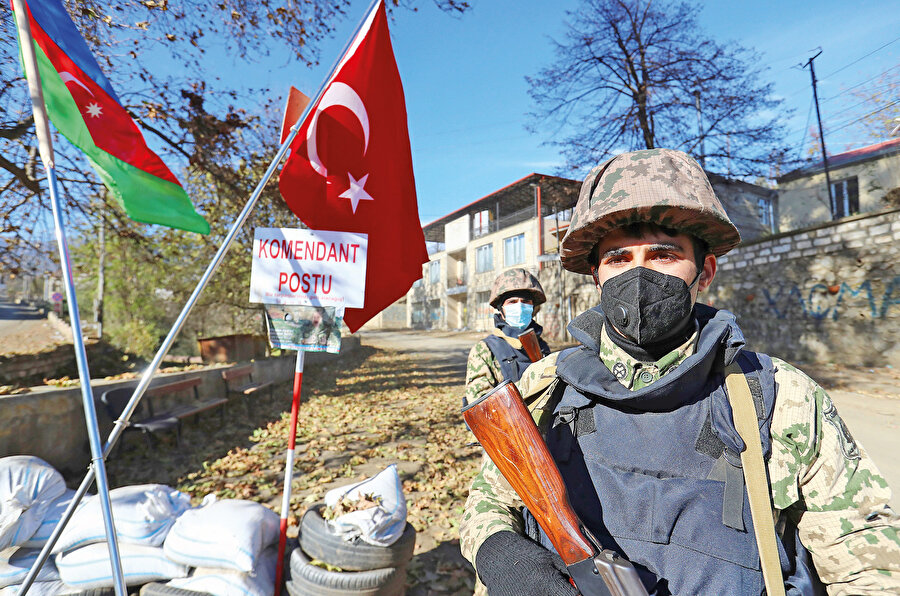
column 457, row 285
column 504, row 222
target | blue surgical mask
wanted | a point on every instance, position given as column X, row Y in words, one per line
column 518, row 314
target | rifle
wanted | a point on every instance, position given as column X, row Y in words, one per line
column 506, row 430
column 531, row 345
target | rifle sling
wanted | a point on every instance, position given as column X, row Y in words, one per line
column 747, row 425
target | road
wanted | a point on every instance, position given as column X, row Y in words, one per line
column 867, row 399
column 24, row 329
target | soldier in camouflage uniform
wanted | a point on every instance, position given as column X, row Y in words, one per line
column 638, row 421
column 516, row 295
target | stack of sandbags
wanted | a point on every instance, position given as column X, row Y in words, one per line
column 231, row 543
column 143, row 516
column 31, row 493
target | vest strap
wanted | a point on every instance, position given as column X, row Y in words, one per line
column 747, row 425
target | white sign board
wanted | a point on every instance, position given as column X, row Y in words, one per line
column 310, row 267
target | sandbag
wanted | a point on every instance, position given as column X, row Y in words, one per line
column 89, row 567
column 143, row 514
column 51, row 588
column 228, row 582
column 16, row 562
column 28, row 485
column 51, row 518
column 381, row 525
column 227, row 534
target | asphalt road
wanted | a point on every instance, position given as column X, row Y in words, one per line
column 24, row 329
column 867, row 399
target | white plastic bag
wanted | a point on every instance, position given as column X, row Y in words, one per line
column 382, row 525
column 227, row 534
column 89, row 567
column 143, row 514
column 28, row 485
column 16, row 562
column 228, row 582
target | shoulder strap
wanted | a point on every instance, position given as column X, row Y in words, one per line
column 747, row 425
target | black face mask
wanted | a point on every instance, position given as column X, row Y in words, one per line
column 645, row 305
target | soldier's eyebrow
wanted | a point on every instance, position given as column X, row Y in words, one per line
column 616, row 252
column 658, row 247
column 661, row 247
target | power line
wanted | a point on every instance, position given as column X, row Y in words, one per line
column 865, row 101
column 864, row 116
column 848, row 89
column 806, row 127
column 859, row 59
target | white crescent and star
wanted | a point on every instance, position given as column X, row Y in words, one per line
column 341, row 94
column 93, row 109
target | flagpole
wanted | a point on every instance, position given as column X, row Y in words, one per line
column 42, row 130
column 146, row 377
column 289, row 470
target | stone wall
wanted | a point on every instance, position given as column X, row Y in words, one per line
column 829, row 293
column 49, row 422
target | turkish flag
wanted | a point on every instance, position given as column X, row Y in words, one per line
column 350, row 168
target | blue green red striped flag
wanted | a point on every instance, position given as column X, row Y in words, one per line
column 83, row 106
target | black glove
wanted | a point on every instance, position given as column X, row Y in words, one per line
column 510, row 564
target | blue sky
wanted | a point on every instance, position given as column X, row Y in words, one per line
column 467, row 100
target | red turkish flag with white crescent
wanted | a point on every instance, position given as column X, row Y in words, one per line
column 350, row 168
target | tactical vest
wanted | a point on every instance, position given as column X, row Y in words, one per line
column 513, row 362
column 656, row 475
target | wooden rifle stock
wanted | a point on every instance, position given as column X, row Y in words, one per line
column 507, row 432
column 531, row 345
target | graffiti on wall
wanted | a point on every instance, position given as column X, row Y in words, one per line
column 823, row 302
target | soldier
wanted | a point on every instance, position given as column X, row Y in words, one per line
column 517, row 296
column 639, row 423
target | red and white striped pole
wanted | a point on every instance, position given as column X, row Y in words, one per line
column 289, row 472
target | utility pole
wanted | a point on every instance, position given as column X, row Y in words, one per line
column 101, row 270
column 812, row 73
column 700, row 128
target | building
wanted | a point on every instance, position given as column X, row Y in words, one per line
column 860, row 179
column 469, row 247
column 474, row 243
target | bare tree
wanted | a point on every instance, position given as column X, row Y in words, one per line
column 634, row 74
column 206, row 139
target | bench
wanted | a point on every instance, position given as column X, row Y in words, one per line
column 187, row 409
column 143, row 420
column 239, row 381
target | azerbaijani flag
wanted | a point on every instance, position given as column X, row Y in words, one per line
column 84, row 108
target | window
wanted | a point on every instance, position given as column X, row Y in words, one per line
column 484, row 258
column 845, row 197
column 763, row 211
column 514, row 250
column 434, row 272
column 481, row 223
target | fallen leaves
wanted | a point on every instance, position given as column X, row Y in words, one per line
column 384, row 408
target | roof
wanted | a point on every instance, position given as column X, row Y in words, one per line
column 840, row 160
column 555, row 191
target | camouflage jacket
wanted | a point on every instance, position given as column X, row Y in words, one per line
column 819, row 476
column 482, row 370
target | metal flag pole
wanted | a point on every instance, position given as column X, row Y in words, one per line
column 147, row 376
column 42, row 130
column 289, row 471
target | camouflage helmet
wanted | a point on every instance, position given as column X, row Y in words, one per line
column 516, row 280
column 660, row 186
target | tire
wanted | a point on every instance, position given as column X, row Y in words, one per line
column 309, row 580
column 318, row 542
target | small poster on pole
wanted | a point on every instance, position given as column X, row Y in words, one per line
column 304, row 328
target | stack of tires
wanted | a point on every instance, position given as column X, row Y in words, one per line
column 366, row 570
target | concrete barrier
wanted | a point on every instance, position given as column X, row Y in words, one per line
column 48, row 422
